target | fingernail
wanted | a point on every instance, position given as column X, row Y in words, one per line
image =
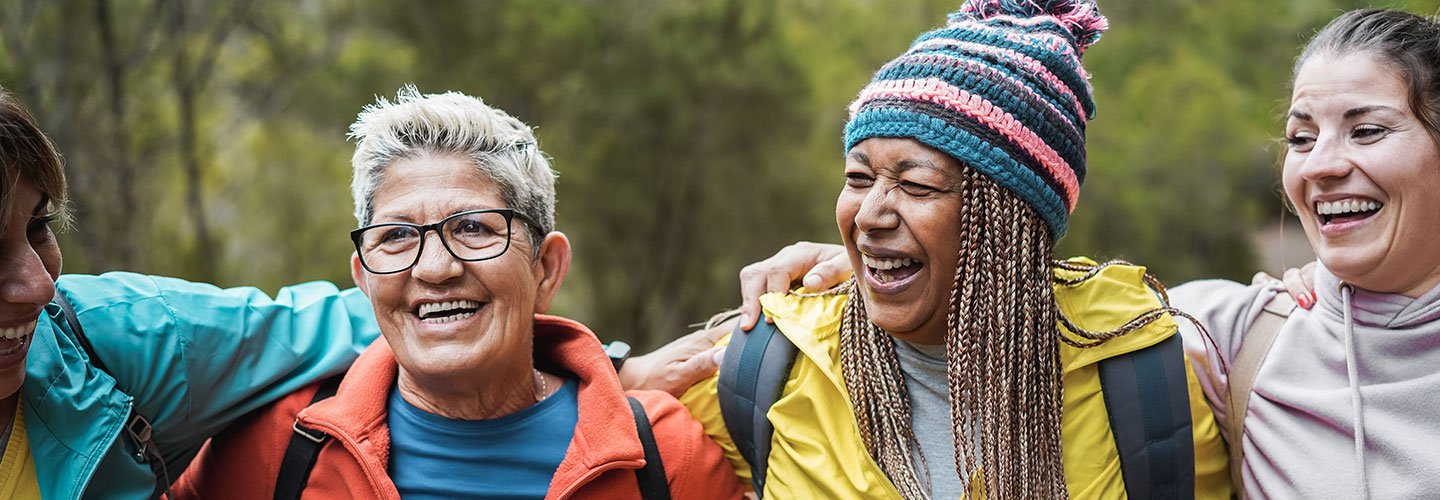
column 1304, row 302
column 745, row 319
column 812, row 281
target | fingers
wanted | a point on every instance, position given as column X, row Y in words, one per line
column 697, row 368
column 1307, row 275
column 717, row 332
column 1261, row 278
column 777, row 273
column 1299, row 288
column 693, row 342
column 831, row 272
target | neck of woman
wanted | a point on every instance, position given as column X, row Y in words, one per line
column 473, row 397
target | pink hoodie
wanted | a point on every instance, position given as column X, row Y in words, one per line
column 1356, row 356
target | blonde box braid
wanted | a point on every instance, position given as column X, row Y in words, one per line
column 1004, row 358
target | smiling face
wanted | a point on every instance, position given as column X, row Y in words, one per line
column 1364, row 174
column 29, row 265
column 899, row 217
column 447, row 319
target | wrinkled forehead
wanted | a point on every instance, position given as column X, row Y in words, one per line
column 1336, row 83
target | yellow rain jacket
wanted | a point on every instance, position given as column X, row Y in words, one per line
column 817, row 452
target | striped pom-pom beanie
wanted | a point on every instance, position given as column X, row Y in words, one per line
column 999, row 88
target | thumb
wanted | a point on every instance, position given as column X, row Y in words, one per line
column 828, row 274
column 699, row 367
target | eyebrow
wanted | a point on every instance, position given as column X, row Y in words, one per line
column 409, row 220
column 1349, row 113
column 1354, row 112
column 859, row 157
column 909, row 164
column 40, row 207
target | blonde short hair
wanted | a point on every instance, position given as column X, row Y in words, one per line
column 501, row 146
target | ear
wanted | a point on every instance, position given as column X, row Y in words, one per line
column 357, row 273
column 550, row 269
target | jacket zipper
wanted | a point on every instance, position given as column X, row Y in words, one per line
column 590, row 475
column 354, row 449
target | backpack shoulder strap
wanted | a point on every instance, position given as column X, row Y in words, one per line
column 137, row 427
column 304, row 448
column 1148, row 400
column 752, row 377
column 1241, row 379
column 653, row 485
column 73, row 321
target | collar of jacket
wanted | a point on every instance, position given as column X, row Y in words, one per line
column 605, row 434
column 1111, row 298
column 75, row 412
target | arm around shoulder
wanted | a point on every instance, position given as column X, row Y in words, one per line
column 196, row 357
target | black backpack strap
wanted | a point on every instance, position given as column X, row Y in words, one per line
column 304, row 448
column 137, row 427
column 752, row 377
column 73, row 321
column 1148, row 399
column 653, row 485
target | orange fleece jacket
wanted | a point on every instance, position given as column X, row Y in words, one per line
column 601, row 461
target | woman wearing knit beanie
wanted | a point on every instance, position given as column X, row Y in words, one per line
column 1347, row 409
column 962, row 360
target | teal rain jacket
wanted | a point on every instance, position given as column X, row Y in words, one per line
column 190, row 357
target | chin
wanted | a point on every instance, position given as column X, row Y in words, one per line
column 1347, row 264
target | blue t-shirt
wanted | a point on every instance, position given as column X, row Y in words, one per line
column 514, row 456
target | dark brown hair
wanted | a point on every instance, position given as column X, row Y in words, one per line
column 1408, row 43
column 26, row 153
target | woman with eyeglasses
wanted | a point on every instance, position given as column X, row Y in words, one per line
column 472, row 391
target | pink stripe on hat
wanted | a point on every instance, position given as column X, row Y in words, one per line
column 977, row 107
column 988, row 71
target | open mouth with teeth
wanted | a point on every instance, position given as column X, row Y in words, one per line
column 887, row 270
column 445, row 312
column 1351, row 210
column 13, row 339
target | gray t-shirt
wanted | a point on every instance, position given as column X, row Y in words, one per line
column 926, row 379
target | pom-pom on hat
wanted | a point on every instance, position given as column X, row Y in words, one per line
column 999, row 88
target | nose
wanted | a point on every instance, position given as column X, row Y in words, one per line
column 24, row 281
column 1329, row 159
column 877, row 212
column 436, row 263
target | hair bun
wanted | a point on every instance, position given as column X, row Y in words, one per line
column 1081, row 18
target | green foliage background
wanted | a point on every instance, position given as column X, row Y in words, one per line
column 206, row 139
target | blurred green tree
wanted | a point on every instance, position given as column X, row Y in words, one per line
column 206, row 138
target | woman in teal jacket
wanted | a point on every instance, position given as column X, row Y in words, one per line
column 187, row 358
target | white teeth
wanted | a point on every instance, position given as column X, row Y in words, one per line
column 1345, row 207
column 17, row 332
column 884, row 264
column 426, row 309
column 447, row 319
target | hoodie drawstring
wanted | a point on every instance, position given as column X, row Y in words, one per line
column 1356, row 404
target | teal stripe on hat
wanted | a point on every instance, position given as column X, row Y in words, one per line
column 1066, row 67
column 1015, row 100
column 968, row 149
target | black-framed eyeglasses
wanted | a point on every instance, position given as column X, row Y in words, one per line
column 471, row 236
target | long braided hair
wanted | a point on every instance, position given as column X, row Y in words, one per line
column 1004, row 359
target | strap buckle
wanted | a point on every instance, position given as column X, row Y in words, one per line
column 313, row 435
column 140, row 430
